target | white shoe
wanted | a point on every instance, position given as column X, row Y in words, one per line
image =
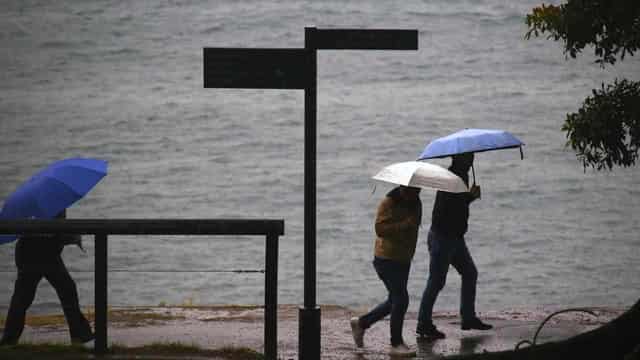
column 357, row 331
column 91, row 344
column 402, row 350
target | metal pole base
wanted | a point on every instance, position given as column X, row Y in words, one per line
column 309, row 333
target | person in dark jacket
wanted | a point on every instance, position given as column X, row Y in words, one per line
column 37, row 257
column 449, row 223
column 397, row 221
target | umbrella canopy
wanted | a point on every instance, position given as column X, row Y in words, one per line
column 470, row 140
column 52, row 190
column 423, row 175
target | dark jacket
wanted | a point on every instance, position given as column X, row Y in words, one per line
column 450, row 215
column 37, row 251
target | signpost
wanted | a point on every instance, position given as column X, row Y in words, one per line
column 297, row 69
column 254, row 68
column 364, row 39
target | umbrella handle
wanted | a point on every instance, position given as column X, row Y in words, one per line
column 473, row 171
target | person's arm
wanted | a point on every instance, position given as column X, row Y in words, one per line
column 474, row 193
column 71, row 239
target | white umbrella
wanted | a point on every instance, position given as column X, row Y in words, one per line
column 421, row 174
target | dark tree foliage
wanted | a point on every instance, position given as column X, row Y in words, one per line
column 606, row 130
column 611, row 26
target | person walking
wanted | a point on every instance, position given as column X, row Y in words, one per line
column 37, row 257
column 446, row 243
column 396, row 226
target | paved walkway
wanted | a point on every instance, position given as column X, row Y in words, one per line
column 217, row 327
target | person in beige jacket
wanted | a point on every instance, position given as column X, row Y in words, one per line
column 397, row 222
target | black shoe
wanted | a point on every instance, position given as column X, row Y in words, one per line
column 4, row 342
column 429, row 333
column 475, row 324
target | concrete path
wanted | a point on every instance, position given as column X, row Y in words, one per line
column 217, row 327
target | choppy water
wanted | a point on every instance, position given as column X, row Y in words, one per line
column 122, row 80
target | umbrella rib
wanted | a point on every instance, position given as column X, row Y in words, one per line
column 97, row 172
column 63, row 183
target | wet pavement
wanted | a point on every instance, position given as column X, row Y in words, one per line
column 217, row 327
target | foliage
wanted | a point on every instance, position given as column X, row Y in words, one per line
column 611, row 26
column 606, row 129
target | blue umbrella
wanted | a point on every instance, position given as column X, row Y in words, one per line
column 470, row 141
column 52, row 190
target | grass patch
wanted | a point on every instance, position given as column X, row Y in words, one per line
column 135, row 316
column 43, row 351
column 125, row 317
column 73, row 352
column 176, row 348
column 233, row 307
column 42, row 320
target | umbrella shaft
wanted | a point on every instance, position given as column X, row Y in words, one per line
column 473, row 172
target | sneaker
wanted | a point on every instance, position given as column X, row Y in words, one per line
column 357, row 331
column 475, row 324
column 90, row 345
column 429, row 333
column 402, row 350
column 83, row 340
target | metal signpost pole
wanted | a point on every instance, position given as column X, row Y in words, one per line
column 309, row 314
column 298, row 69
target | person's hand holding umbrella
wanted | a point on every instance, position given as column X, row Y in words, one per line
column 475, row 191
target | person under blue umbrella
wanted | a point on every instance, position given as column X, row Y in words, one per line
column 449, row 223
column 38, row 257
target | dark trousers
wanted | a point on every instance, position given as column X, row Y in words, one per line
column 24, row 292
column 445, row 251
column 394, row 275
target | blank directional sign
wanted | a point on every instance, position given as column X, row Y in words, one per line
column 255, row 68
column 365, row 39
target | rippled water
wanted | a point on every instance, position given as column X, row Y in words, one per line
column 122, row 81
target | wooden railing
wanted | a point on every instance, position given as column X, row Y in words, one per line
column 102, row 228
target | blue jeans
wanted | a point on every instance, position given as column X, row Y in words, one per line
column 394, row 275
column 445, row 251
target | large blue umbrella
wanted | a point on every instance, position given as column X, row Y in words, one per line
column 52, row 190
column 470, row 141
